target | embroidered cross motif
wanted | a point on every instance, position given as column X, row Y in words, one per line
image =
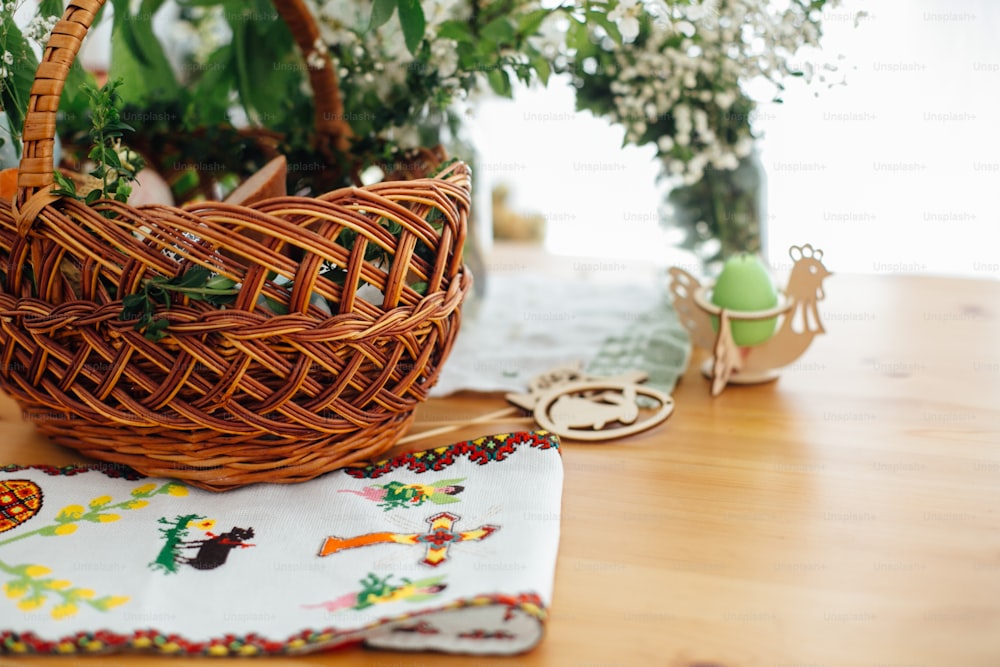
column 437, row 540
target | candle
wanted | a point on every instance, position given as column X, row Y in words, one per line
column 745, row 285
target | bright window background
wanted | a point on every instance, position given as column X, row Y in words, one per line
column 896, row 171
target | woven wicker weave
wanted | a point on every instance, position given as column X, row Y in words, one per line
column 232, row 395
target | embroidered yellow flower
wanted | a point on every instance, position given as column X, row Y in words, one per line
column 70, row 513
column 108, row 518
column 35, row 571
column 14, row 592
column 61, row 611
column 84, row 593
column 100, row 501
column 177, row 490
column 30, row 604
column 59, row 584
column 135, row 504
column 115, row 601
column 204, row 524
column 66, row 529
column 143, row 490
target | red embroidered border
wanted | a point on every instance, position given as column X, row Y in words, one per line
column 102, row 641
column 481, row 450
column 112, row 470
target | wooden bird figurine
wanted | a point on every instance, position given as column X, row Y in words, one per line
column 799, row 326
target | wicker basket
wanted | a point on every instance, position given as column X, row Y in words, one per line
column 232, row 395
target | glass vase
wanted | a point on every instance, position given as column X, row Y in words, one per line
column 722, row 214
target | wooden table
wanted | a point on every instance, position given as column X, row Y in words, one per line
column 847, row 514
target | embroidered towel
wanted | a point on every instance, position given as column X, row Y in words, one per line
column 451, row 549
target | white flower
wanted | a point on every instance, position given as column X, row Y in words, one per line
column 626, row 15
column 686, row 28
column 728, row 161
column 699, row 11
column 665, row 143
column 39, row 29
column 337, row 20
column 444, row 57
column 315, row 58
column 406, row 136
column 725, row 99
column 8, row 58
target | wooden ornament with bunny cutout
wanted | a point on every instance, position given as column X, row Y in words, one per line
column 799, row 326
column 571, row 403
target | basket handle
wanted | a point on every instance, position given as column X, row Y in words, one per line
column 35, row 174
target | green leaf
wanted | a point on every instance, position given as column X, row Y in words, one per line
column 411, row 18
column 532, row 21
column 382, row 11
column 500, row 82
column 577, row 36
column 73, row 102
column 542, row 68
column 133, row 301
column 185, row 183
column 50, row 8
column 15, row 92
column 601, row 19
column 66, row 186
column 110, row 158
column 276, row 306
column 137, row 57
column 264, row 60
column 419, row 288
column 156, row 330
column 448, row 482
column 118, row 127
column 196, row 276
column 499, row 30
column 101, row 604
column 220, row 282
column 220, row 299
column 262, row 16
column 456, row 30
column 212, row 83
column 92, row 196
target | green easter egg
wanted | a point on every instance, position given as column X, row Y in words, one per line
column 745, row 285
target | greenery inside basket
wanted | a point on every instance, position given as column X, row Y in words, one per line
column 225, row 342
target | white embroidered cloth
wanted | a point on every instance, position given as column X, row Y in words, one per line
column 451, row 549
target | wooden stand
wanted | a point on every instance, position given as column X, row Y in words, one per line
column 799, row 325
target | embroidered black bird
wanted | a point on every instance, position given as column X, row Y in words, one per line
column 214, row 551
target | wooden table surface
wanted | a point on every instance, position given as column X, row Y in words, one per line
column 846, row 514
